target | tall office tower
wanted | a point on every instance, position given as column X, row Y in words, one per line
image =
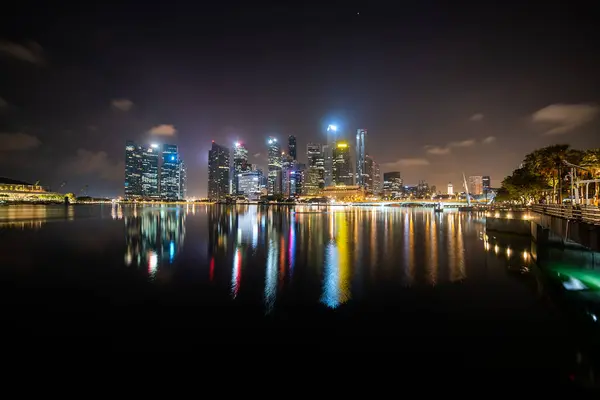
column 361, row 139
column 297, row 179
column 475, row 185
column 169, row 173
column 292, row 147
column 150, row 178
column 450, row 189
column 288, row 165
column 240, row 164
column 218, row 172
column 486, row 183
column 250, row 184
column 274, row 158
column 133, row 170
column 328, row 155
column 369, row 172
column 314, row 182
column 392, row 184
column 182, row 181
column 342, row 165
column 377, row 178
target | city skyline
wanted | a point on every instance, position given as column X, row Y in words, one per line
column 438, row 102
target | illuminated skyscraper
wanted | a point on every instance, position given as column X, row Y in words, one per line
column 450, row 189
column 361, row 138
column 218, row 172
column 342, row 166
column 486, row 183
column 328, row 149
column 292, row 147
column 315, row 181
column 133, row 170
column 170, row 170
column 275, row 164
column 182, row 180
column 150, row 172
column 240, row 164
column 475, row 185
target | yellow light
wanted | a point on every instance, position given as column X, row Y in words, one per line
column 525, row 255
column 509, row 215
column 508, row 252
column 497, row 215
column 342, row 145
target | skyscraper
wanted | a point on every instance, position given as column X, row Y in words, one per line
column 182, row 180
column 150, row 172
column 133, row 170
column 315, row 175
column 450, row 189
column 240, row 164
column 218, row 172
column 475, row 185
column 361, row 138
column 292, row 147
column 486, row 183
column 170, row 173
column 274, row 158
column 392, row 184
column 328, row 155
column 342, row 166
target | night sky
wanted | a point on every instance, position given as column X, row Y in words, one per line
column 441, row 89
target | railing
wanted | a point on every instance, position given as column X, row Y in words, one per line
column 589, row 214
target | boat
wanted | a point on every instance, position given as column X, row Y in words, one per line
column 438, row 208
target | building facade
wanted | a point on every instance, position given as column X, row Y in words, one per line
column 240, row 164
column 218, row 172
column 315, row 173
column 486, row 183
column 342, row 165
column 292, row 151
column 361, row 173
column 170, row 170
column 328, row 149
column 392, row 184
column 275, row 165
column 249, row 184
column 133, row 171
column 475, row 185
column 450, row 189
column 150, row 178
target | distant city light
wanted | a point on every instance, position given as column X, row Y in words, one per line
column 237, row 144
column 172, row 158
column 342, row 145
column 332, row 128
column 154, row 146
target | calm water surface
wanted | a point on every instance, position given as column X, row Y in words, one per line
column 392, row 279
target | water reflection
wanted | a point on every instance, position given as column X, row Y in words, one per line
column 154, row 236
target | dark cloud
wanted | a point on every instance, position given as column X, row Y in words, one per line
column 163, row 130
column 30, row 52
column 18, row 142
column 122, row 104
column 565, row 117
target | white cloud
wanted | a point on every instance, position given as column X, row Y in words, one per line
column 489, row 140
column 122, row 104
column 257, row 155
column 462, row 143
column 406, row 162
column 18, row 141
column 476, row 117
column 437, row 150
column 97, row 163
column 31, row 52
column 565, row 117
column 163, row 130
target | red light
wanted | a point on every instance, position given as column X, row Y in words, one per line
column 213, row 141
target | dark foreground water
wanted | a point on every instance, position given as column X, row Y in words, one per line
column 431, row 287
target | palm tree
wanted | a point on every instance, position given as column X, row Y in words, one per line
column 591, row 161
column 548, row 162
